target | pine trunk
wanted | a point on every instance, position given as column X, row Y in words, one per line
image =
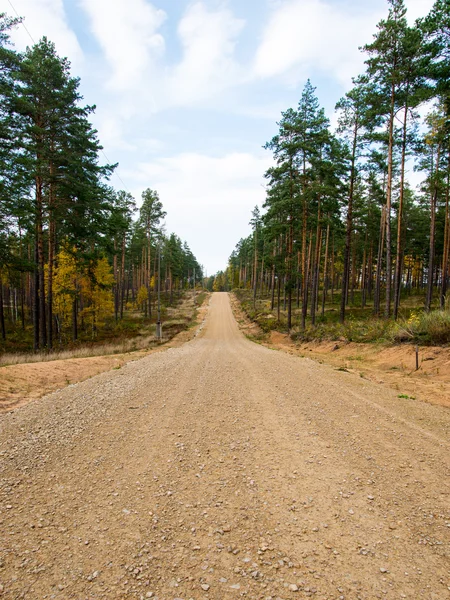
column 289, row 275
column 429, row 297
column 278, row 297
column 398, row 254
column 2, row 314
column 349, row 226
column 122, row 277
column 316, row 269
column 387, row 310
column 116, row 283
column 255, row 269
column 51, row 261
column 41, row 263
column 325, row 271
column 445, row 258
column 306, row 285
column 377, row 297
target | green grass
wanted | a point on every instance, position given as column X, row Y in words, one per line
column 424, row 328
column 200, row 298
column 360, row 326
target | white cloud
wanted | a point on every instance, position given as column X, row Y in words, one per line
column 302, row 36
column 208, row 199
column 112, row 132
column 417, row 9
column 143, row 85
column 45, row 18
column 208, row 39
column 128, row 35
column 140, row 81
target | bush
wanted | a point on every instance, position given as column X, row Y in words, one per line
column 424, row 328
column 318, row 333
column 370, row 330
column 268, row 323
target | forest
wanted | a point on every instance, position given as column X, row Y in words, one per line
column 78, row 262
column 343, row 234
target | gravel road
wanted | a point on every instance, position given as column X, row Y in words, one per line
column 222, row 469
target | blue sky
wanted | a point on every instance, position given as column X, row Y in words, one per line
column 188, row 92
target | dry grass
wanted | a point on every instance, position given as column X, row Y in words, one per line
column 130, row 345
column 182, row 316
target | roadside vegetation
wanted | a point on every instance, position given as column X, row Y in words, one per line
column 346, row 246
column 414, row 325
column 135, row 333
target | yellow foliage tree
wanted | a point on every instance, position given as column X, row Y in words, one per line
column 142, row 297
column 96, row 288
column 219, row 283
column 64, row 286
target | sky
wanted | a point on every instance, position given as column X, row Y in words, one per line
column 188, row 91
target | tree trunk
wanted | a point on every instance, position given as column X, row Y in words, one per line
column 387, row 310
column 289, row 275
column 398, row 254
column 261, row 283
column 40, row 263
column 149, row 270
column 306, row 285
column 22, row 303
column 316, row 270
column 325, row 271
column 36, row 319
column 122, row 276
column 370, row 273
column 278, row 297
column 74, row 319
column 2, row 314
column 377, row 298
column 445, row 258
column 116, row 283
column 332, row 272
column 272, row 300
column 349, row 226
column 51, row 260
column 429, row 297
column 255, row 269
column 354, row 274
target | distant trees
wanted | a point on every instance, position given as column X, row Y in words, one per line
column 71, row 254
column 340, row 214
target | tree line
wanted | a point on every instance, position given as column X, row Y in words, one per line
column 74, row 252
column 341, row 218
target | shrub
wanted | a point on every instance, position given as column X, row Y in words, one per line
column 267, row 323
column 425, row 328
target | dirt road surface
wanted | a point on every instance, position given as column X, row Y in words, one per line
column 222, row 469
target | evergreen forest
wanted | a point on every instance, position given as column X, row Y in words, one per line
column 78, row 262
column 343, row 234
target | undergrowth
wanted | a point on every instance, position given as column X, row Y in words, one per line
column 414, row 326
column 139, row 337
column 424, row 328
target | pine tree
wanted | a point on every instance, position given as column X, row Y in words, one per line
column 151, row 214
column 384, row 68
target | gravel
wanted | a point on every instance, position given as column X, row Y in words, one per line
column 220, row 469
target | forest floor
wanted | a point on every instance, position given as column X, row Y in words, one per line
column 392, row 365
column 22, row 383
column 221, row 469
